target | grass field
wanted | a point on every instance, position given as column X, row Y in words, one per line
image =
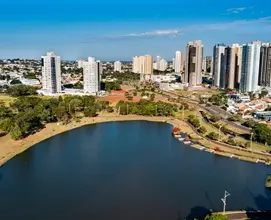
column 6, row 99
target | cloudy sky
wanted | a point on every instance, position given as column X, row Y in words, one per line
column 118, row 30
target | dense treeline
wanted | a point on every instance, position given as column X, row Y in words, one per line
column 122, row 76
column 147, row 108
column 21, row 90
column 26, row 115
column 112, row 86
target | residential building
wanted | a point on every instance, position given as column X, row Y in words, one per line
column 143, row 64
column 179, row 62
column 265, row 66
column 250, row 67
column 51, row 73
column 193, row 63
column 92, row 71
column 80, row 63
column 232, row 66
column 218, row 58
column 173, row 63
column 160, row 64
column 117, row 66
column 209, row 64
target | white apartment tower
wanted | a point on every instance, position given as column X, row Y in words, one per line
column 179, row 62
column 51, row 73
column 218, row 65
column 80, row 63
column 92, row 71
column 117, row 66
column 250, row 67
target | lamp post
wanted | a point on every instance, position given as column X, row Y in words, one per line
column 224, row 200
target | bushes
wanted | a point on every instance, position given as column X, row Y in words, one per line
column 213, row 136
column 21, row 90
column 250, row 124
column 192, row 119
column 214, row 118
column 202, row 130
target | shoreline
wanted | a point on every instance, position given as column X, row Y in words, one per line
column 11, row 148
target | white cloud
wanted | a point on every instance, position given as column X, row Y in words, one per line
column 236, row 10
column 250, row 25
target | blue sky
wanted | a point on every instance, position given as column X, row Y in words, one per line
column 118, row 30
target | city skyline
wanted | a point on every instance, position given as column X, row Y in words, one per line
column 116, row 31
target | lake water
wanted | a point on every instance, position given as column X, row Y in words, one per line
column 125, row 171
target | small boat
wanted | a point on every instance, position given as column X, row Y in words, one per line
column 187, row 142
column 176, row 131
column 181, row 139
column 177, row 135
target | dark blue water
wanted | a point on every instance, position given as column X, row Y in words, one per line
column 125, row 171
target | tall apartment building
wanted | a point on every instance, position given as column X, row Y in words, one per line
column 232, row 66
column 265, row 65
column 80, row 63
column 193, row 63
column 51, row 73
column 218, row 63
column 209, row 64
column 179, row 62
column 250, row 67
column 143, row 64
column 92, row 71
column 117, row 66
column 160, row 64
column 173, row 63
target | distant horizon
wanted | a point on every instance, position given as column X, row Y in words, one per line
column 119, row 30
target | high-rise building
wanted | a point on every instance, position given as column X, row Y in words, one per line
column 232, row 66
column 163, row 65
column 80, row 63
column 173, row 63
column 51, row 73
column 218, row 63
column 143, row 64
column 250, row 66
column 92, row 71
column 158, row 59
column 117, row 66
column 179, row 62
column 265, row 66
column 209, row 64
column 160, row 64
column 193, row 63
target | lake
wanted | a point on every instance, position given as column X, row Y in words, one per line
column 125, row 171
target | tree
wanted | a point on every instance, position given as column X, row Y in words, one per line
column 247, row 144
column 262, row 134
column 90, row 111
column 214, row 118
column 216, row 216
column 213, row 136
column 5, row 112
column 202, row 130
column 263, row 93
column 21, row 90
column 192, row 119
column 236, row 117
column 152, row 97
column 134, row 93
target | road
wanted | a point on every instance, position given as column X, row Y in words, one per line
column 215, row 110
